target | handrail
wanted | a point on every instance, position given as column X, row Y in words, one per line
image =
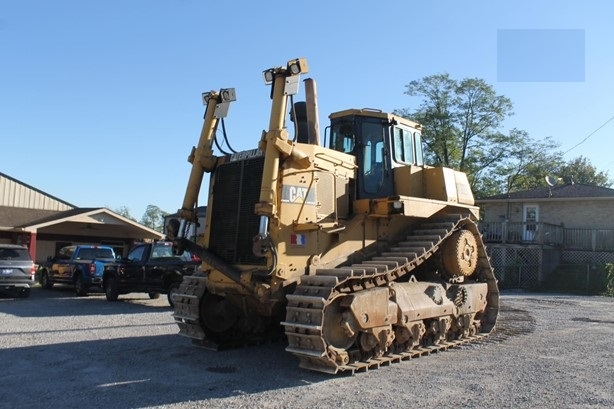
column 539, row 233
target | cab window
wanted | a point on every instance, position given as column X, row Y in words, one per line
column 137, row 253
column 418, row 148
column 342, row 138
column 66, row 253
column 403, row 146
column 373, row 156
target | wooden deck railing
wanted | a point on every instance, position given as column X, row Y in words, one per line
column 548, row 234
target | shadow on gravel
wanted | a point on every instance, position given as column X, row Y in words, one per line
column 130, row 371
column 63, row 302
column 512, row 322
column 585, row 319
column 143, row 371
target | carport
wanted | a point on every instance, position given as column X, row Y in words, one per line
column 44, row 232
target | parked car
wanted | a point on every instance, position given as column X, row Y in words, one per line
column 78, row 265
column 149, row 268
column 16, row 270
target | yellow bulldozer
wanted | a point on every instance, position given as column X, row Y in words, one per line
column 357, row 251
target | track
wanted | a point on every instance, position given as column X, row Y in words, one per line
column 187, row 306
column 305, row 320
column 305, row 313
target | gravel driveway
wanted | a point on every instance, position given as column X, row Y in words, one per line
column 57, row 350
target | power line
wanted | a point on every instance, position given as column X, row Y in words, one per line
column 589, row 135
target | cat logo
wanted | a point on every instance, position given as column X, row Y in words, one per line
column 298, row 194
column 244, row 155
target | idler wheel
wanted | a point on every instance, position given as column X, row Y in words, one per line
column 337, row 325
column 460, row 254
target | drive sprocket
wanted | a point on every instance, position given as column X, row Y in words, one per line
column 460, row 254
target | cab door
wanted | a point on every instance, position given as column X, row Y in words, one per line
column 134, row 268
column 61, row 269
column 375, row 177
column 368, row 139
column 159, row 261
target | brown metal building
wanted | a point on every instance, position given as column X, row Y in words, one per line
column 45, row 223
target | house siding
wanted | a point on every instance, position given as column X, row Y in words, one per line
column 589, row 214
column 576, row 228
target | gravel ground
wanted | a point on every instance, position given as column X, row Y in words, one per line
column 57, row 350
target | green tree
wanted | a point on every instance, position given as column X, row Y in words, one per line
column 460, row 122
column 461, row 129
column 582, row 171
column 525, row 163
column 154, row 218
column 125, row 212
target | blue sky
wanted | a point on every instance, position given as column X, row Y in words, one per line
column 100, row 102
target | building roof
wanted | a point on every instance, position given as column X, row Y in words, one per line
column 19, row 216
column 25, row 185
column 102, row 220
column 564, row 191
column 56, row 217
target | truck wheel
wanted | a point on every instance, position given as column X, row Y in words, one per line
column 154, row 296
column 45, row 281
column 173, row 289
column 23, row 292
column 80, row 287
column 112, row 289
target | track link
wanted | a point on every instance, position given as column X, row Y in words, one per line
column 304, row 324
column 186, row 303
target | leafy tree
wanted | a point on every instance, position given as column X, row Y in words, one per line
column 527, row 164
column 154, row 218
column 582, row 171
column 460, row 121
column 125, row 212
column 523, row 166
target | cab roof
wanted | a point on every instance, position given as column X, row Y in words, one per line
column 375, row 113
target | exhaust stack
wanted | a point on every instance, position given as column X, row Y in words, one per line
column 313, row 121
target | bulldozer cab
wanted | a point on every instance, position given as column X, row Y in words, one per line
column 380, row 142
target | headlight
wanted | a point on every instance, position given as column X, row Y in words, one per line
column 268, row 76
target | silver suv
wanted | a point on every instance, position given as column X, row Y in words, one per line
column 16, row 269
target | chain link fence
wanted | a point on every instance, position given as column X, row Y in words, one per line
column 530, row 268
column 516, row 267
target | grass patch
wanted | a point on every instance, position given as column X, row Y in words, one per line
column 609, row 280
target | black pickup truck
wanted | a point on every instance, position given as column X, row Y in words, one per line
column 149, row 268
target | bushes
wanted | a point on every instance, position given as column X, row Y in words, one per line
column 609, row 280
column 580, row 279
